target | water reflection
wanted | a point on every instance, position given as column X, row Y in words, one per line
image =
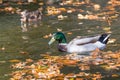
column 24, row 27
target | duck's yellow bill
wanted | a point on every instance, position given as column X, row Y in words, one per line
column 51, row 41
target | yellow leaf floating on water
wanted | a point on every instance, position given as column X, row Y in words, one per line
column 106, row 28
column 14, row 60
column 69, row 33
column 3, row 48
column 115, row 75
column 118, row 65
column 89, row 31
column 41, row 3
column 29, row 60
column 46, row 36
column 111, row 40
column 24, row 52
column 69, row 62
column 58, row 29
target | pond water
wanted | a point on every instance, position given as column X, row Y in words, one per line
column 15, row 44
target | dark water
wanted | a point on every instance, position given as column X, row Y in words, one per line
column 32, row 43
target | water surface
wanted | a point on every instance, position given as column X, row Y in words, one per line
column 15, row 44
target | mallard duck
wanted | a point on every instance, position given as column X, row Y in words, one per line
column 80, row 45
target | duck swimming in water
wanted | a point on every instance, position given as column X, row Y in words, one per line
column 80, row 45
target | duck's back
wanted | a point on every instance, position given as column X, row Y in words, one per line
column 85, row 47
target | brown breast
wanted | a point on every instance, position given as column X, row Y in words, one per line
column 62, row 48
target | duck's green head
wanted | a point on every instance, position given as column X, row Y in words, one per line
column 58, row 36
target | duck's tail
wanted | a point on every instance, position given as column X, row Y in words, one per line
column 104, row 38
